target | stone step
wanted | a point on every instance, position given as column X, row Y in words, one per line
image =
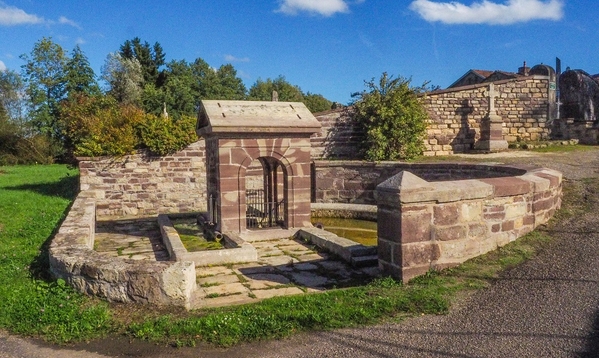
column 365, row 261
column 360, row 250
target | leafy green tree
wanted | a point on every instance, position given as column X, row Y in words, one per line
column 393, row 118
column 181, row 90
column 12, row 103
column 124, row 77
column 317, row 103
column 263, row 90
column 79, row 76
column 150, row 58
column 224, row 84
column 44, row 75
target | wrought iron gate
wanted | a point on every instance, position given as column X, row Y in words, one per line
column 261, row 213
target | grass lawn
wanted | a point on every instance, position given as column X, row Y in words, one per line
column 34, row 200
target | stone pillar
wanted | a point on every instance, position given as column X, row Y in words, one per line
column 405, row 245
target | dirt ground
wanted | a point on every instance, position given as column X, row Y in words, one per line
column 574, row 165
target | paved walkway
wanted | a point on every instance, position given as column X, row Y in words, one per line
column 284, row 267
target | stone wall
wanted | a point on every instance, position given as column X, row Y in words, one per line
column 434, row 225
column 586, row 132
column 339, row 137
column 526, row 106
column 141, row 185
column 356, row 181
column 73, row 259
column 455, row 115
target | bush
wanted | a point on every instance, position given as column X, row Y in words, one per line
column 393, row 118
column 98, row 125
column 165, row 135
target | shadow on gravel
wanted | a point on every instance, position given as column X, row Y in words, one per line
column 592, row 346
column 423, row 342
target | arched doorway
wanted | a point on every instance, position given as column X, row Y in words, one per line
column 271, row 139
column 266, row 194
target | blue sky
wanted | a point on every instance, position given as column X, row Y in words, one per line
column 324, row 46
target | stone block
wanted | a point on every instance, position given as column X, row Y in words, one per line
column 447, row 214
column 415, row 228
column 417, row 254
column 457, row 232
column 508, row 186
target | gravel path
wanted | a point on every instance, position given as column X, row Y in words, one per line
column 547, row 307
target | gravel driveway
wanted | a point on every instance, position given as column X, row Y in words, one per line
column 547, row 307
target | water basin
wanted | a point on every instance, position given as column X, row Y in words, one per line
column 361, row 231
column 192, row 235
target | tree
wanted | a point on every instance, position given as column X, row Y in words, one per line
column 12, row 89
column 44, row 75
column 124, row 77
column 181, row 89
column 150, row 58
column 262, row 90
column 393, row 118
column 317, row 103
column 79, row 76
column 224, row 84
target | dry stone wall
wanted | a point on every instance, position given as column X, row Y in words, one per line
column 456, row 114
column 525, row 105
column 142, row 185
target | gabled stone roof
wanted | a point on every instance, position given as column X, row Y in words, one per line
column 216, row 116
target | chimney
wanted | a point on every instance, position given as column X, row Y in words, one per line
column 524, row 70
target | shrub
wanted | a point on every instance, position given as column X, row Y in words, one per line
column 97, row 125
column 163, row 135
column 393, row 117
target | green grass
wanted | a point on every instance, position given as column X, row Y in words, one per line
column 564, row 148
column 282, row 316
column 192, row 236
column 34, row 200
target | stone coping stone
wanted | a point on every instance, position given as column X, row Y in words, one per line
column 459, row 170
column 342, row 210
column 236, row 249
column 406, row 187
column 340, row 246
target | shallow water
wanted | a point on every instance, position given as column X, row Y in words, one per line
column 360, row 231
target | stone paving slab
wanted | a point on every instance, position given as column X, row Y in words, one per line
column 227, row 289
column 217, row 280
column 220, row 301
column 309, row 279
column 284, row 267
column 212, row 271
column 283, row 291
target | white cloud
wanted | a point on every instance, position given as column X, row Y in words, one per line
column 11, row 16
column 231, row 58
column 64, row 21
column 487, row 12
column 320, row 7
column 80, row 41
column 2, row 66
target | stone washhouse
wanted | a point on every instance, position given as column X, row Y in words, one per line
column 275, row 135
column 255, row 176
